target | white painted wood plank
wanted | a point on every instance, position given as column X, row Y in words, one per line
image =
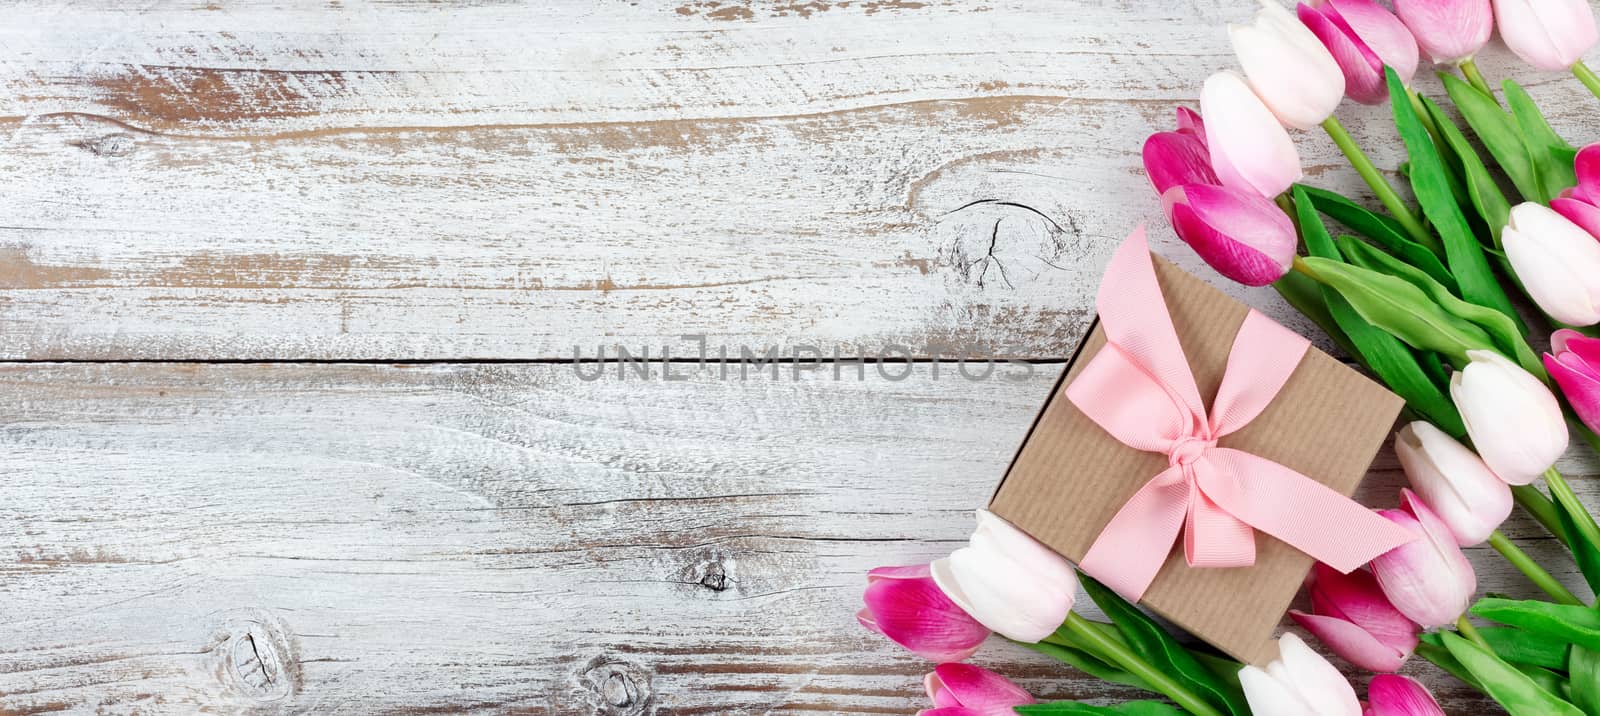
column 361, row 539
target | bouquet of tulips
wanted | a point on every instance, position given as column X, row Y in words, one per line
column 1423, row 294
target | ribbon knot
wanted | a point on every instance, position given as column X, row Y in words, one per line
column 1139, row 388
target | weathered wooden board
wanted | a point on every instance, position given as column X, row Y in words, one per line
column 489, row 180
column 432, row 539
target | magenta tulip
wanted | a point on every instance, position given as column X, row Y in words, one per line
column 1393, row 695
column 905, row 605
column 1429, row 580
column 1363, row 37
column 1178, row 158
column 1353, row 618
column 967, row 690
column 1243, row 236
column 1574, row 361
column 1449, row 31
column 1581, row 204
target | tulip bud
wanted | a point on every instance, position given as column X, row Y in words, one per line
column 1574, row 361
column 1178, row 158
column 1449, row 31
column 1557, row 261
column 1454, row 481
column 905, row 605
column 1353, row 618
column 1250, row 151
column 1548, row 34
column 1394, row 695
column 1300, row 682
column 967, row 690
column 1009, row 582
column 1429, row 580
column 1512, row 418
column 1581, row 203
column 1242, row 236
column 1288, row 67
column 1363, row 37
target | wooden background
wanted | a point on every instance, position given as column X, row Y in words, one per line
column 289, row 295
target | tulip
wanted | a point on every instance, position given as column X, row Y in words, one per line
column 1178, row 158
column 1288, row 67
column 1581, row 204
column 1449, row 31
column 1575, row 364
column 1394, row 695
column 1300, row 682
column 1548, row 34
column 905, row 605
column 1243, row 236
column 1429, row 580
column 1512, row 418
column 1008, row 582
column 1470, row 499
column 1557, row 261
column 1249, row 150
column 1363, row 37
column 1353, row 618
column 967, row 690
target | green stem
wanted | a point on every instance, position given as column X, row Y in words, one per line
column 1119, row 654
column 1469, row 69
column 1535, row 573
column 1574, row 507
column 1532, row 501
column 1380, row 186
column 1471, row 632
column 1424, row 116
column 1587, row 77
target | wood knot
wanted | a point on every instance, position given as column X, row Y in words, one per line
column 708, row 572
column 715, row 577
column 994, row 243
column 255, row 657
column 616, row 687
column 116, row 144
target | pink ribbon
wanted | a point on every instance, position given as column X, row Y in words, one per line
column 1140, row 390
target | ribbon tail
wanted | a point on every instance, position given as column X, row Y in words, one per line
column 1304, row 513
column 1213, row 538
column 1135, row 543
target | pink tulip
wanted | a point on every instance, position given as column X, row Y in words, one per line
column 1250, row 150
column 1363, row 37
column 1351, row 616
column 1449, row 31
column 1454, row 481
column 1575, row 364
column 1243, row 236
column 967, row 690
column 1393, row 695
column 904, row 604
column 1288, row 67
column 1581, row 204
column 1178, row 158
column 1428, row 580
column 1548, row 34
column 1300, row 682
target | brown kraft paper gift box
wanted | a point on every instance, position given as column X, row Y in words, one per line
column 1070, row 477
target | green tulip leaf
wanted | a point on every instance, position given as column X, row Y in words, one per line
column 1501, row 329
column 1519, row 693
column 1077, row 708
column 1306, row 296
column 1584, row 673
column 1088, row 663
column 1152, row 643
column 1485, row 194
column 1382, row 229
column 1573, row 624
column 1400, row 308
column 1430, row 181
column 1498, row 131
column 1383, row 354
column 1584, row 551
column 1544, row 146
column 1518, row 646
column 1433, row 650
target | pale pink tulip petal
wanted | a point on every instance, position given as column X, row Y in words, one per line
column 1514, row 420
column 1175, row 159
column 915, row 614
column 1363, row 71
column 1287, row 67
column 1267, row 695
column 1244, row 237
column 1352, row 643
column 1448, row 31
column 1392, row 695
column 1548, row 34
column 1382, row 33
column 1316, row 680
column 1454, row 481
column 1428, row 580
column 1250, row 151
column 1579, row 212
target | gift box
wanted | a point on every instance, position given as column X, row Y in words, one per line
column 1072, row 478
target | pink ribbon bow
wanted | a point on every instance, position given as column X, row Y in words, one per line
column 1140, row 390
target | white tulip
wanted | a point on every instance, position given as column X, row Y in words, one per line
column 1513, row 419
column 1008, row 581
column 1288, row 67
column 1470, row 499
column 1299, row 683
column 1557, row 261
